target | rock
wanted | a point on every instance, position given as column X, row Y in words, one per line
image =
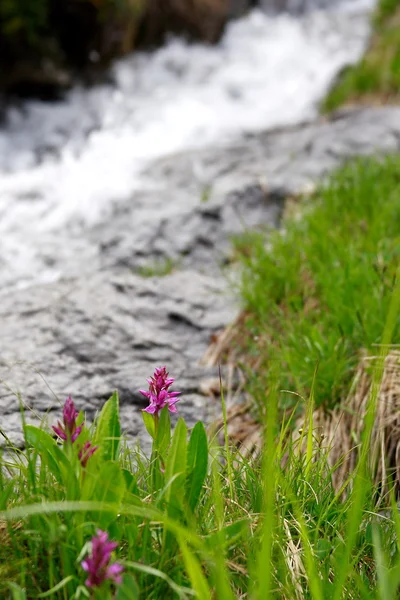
column 211, row 387
column 43, row 79
column 295, row 6
column 237, row 8
column 285, row 161
column 196, row 19
column 89, row 336
column 200, row 19
column 104, row 327
column 81, row 38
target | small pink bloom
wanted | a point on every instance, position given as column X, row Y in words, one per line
column 86, row 452
column 98, row 564
column 68, row 431
column 159, row 394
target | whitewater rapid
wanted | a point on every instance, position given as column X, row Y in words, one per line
column 67, row 166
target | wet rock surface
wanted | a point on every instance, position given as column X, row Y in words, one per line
column 89, row 336
column 103, row 326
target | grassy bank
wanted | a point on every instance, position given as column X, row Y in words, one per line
column 195, row 520
column 376, row 78
column 316, row 294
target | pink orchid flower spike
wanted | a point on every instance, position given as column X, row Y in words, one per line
column 68, row 430
column 86, row 452
column 159, row 394
column 98, row 565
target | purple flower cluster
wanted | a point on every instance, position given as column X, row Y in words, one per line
column 69, row 431
column 86, row 452
column 98, row 565
column 159, row 394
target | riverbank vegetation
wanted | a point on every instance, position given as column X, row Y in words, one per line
column 376, row 78
column 84, row 516
column 87, row 518
column 317, row 292
column 44, row 44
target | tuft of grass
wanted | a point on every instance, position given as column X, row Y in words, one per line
column 316, row 294
column 266, row 528
column 376, row 77
column 385, row 10
column 158, row 267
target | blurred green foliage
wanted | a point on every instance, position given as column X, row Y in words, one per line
column 66, row 30
column 377, row 76
column 386, row 8
column 317, row 292
column 33, row 17
column 45, row 43
column 24, row 16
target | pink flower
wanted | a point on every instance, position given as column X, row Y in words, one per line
column 98, row 564
column 68, row 431
column 86, row 452
column 159, row 394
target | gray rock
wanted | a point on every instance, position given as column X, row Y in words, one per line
column 296, row 6
column 104, row 327
column 238, row 7
column 89, row 336
column 195, row 201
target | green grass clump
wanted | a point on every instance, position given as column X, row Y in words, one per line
column 377, row 76
column 385, row 10
column 158, row 268
column 317, row 292
column 193, row 520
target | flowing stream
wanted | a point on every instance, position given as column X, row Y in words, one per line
column 67, row 166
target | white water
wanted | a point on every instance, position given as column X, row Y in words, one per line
column 64, row 166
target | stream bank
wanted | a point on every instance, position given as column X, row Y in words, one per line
column 105, row 326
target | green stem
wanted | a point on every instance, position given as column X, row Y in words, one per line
column 156, row 428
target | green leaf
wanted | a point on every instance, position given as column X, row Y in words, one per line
column 6, row 492
column 193, row 568
column 132, row 489
column 386, row 592
column 164, row 431
column 181, row 592
column 148, row 421
column 57, row 587
column 17, row 592
column 197, row 464
column 176, row 465
column 111, row 483
column 108, row 429
column 323, row 549
column 107, row 486
column 130, row 482
column 128, row 590
column 228, row 535
column 48, row 449
column 157, row 470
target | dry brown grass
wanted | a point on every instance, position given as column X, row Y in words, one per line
column 337, row 432
column 244, row 430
